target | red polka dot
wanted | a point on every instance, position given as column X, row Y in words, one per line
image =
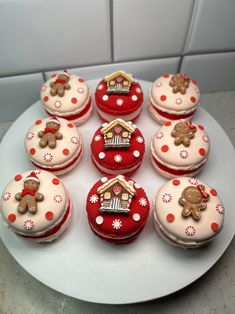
column 170, row 217
column 193, row 99
column 49, row 215
column 74, row 100
column 194, row 82
column 213, row 192
column 163, row 97
column 32, row 151
column 70, row 125
column 81, row 80
column 65, row 151
column 214, row 226
column 202, row 151
column 11, row 217
column 55, row 181
column 167, row 123
column 18, row 177
column 200, row 127
column 165, row 148
column 166, row 75
column 46, row 98
column 53, row 75
column 38, row 122
column 176, row 182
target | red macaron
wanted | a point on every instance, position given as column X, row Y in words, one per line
column 119, row 95
column 117, row 148
column 117, row 209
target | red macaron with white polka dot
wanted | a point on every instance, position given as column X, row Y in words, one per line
column 180, row 148
column 119, row 96
column 187, row 212
column 67, row 95
column 173, row 97
column 117, row 209
column 36, row 206
column 54, row 144
column 117, row 148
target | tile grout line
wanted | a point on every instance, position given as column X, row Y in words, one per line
column 188, row 36
column 111, row 30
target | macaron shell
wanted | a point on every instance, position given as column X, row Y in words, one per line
column 161, row 93
column 66, row 148
column 169, row 212
column 118, row 158
column 49, row 211
column 117, row 225
column 118, row 104
column 164, row 149
column 73, row 100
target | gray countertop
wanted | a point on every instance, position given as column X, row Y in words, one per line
column 20, row 293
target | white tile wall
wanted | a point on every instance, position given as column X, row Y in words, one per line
column 213, row 26
column 147, row 70
column 93, row 38
column 152, row 28
column 17, row 93
column 214, row 72
column 41, row 34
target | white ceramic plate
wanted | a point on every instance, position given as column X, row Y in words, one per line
column 84, row 267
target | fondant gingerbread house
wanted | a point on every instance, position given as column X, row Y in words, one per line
column 119, row 83
column 116, row 195
column 117, row 134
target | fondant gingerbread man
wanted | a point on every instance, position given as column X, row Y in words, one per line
column 194, row 200
column 29, row 196
column 61, row 84
column 183, row 132
column 50, row 134
column 179, row 83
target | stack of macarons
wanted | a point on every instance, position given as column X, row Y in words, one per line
column 186, row 212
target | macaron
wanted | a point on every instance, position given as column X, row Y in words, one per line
column 117, row 209
column 67, row 96
column 119, row 96
column 54, row 144
column 179, row 148
column 35, row 205
column 117, row 148
column 173, row 97
column 188, row 213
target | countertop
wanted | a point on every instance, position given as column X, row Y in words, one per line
column 214, row 292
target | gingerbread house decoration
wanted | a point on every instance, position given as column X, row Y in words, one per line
column 117, row 134
column 119, row 83
column 116, row 195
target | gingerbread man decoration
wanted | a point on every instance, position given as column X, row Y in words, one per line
column 193, row 200
column 29, row 196
column 50, row 134
column 61, row 84
column 183, row 132
column 179, row 83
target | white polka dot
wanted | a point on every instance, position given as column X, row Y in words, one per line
column 99, row 220
column 178, row 101
column 105, row 97
column 136, row 217
column 137, row 186
column 136, row 153
column 101, row 155
column 104, row 179
column 100, row 87
column 134, row 97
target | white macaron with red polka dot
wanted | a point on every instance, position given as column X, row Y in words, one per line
column 52, row 213
column 76, row 103
column 187, row 212
column 179, row 148
column 173, row 97
column 54, row 144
